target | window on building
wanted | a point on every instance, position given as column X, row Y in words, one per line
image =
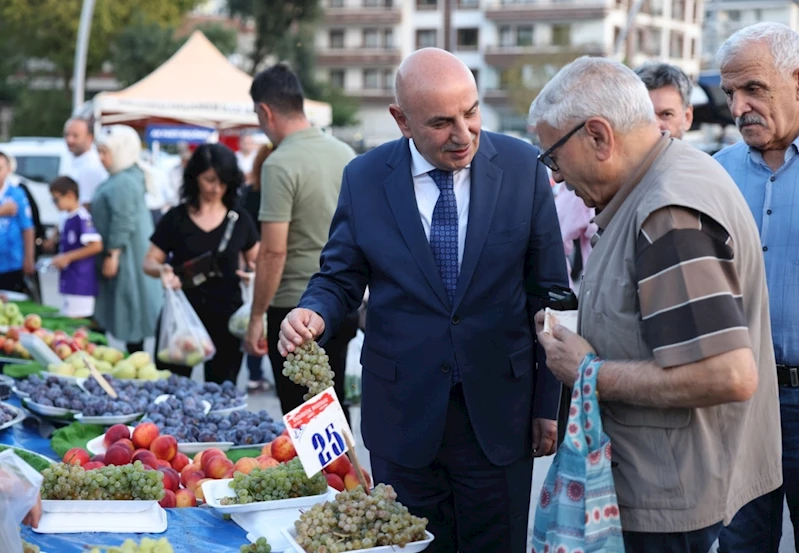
column 467, row 39
column 336, row 79
column 678, row 10
column 468, row 4
column 693, row 48
column 426, row 4
column 388, row 79
column 561, row 35
column 426, row 38
column 505, row 36
column 676, row 50
column 371, row 79
column 524, row 35
column 616, row 35
column 388, row 38
column 371, row 38
column 656, row 7
column 509, row 77
column 734, row 15
column 654, row 41
column 336, row 39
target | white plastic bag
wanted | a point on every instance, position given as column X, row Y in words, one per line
column 353, row 369
column 183, row 339
column 19, row 491
column 240, row 320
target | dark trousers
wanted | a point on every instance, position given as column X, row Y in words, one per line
column 472, row 505
column 254, row 364
column 13, row 281
column 225, row 363
column 698, row 541
column 289, row 393
column 758, row 525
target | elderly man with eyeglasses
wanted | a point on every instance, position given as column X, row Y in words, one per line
column 674, row 302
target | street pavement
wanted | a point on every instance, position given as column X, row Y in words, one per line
column 269, row 402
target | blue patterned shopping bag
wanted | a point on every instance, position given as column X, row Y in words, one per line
column 578, row 511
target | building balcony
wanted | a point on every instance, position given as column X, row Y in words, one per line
column 508, row 56
column 540, row 11
column 345, row 57
column 362, row 12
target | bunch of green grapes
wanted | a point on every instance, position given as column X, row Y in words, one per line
column 359, row 521
column 260, row 546
column 147, row 545
column 309, row 366
column 67, row 481
column 29, row 547
column 282, row 481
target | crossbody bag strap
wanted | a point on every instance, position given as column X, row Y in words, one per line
column 232, row 217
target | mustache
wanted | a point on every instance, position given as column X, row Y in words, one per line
column 457, row 147
column 744, row 120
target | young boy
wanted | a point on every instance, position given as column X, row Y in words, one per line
column 79, row 243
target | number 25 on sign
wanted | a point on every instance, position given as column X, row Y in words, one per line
column 316, row 429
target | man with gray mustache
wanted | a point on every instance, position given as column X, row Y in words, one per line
column 760, row 76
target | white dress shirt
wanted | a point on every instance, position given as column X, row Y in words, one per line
column 427, row 193
column 88, row 171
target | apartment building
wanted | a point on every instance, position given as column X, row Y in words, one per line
column 512, row 46
column 724, row 17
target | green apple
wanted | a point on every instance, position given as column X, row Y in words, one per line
column 104, row 366
column 18, row 320
column 11, row 310
column 139, row 359
column 163, row 375
column 64, row 369
column 194, row 358
column 4, row 320
column 147, row 372
column 83, row 372
column 124, row 370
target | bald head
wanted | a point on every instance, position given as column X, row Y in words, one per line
column 78, row 136
column 427, row 70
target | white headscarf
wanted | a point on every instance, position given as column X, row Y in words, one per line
column 124, row 144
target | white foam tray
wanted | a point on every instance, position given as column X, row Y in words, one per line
column 48, row 410
column 70, row 517
column 96, row 445
column 215, row 490
column 268, row 524
column 290, row 533
column 19, row 418
column 107, row 421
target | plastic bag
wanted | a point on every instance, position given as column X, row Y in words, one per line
column 19, row 491
column 183, row 339
column 353, row 369
column 240, row 320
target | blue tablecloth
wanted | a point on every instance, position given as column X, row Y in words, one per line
column 190, row 530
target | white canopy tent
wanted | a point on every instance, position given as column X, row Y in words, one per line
column 196, row 86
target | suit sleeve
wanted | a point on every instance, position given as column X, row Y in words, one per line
column 338, row 288
column 546, row 267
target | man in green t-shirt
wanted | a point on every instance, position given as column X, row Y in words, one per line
column 300, row 184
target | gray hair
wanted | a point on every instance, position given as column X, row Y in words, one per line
column 594, row 87
column 659, row 75
column 783, row 42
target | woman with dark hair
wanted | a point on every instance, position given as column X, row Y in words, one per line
column 198, row 246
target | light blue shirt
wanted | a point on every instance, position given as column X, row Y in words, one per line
column 773, row 198
column 12, row 249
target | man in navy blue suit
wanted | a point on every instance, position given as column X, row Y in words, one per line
column 454, row 230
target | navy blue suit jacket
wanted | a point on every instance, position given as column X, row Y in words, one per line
column 413, row 333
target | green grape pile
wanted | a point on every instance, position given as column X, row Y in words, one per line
column 309, row 366
column 359, row 521
column 147, row 545
column 283, row 481
column 66, row 481
column 260, row 546
column 29, row 547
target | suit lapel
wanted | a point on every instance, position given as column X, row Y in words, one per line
column 402, row 199
column 486, row 181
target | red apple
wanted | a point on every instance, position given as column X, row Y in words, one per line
column 245, row 465
column 191, row 467
column 351, row 479
column 144, row 434
column 62, row 350
column 76, row 456
column 145, row 455
column 164, row 447
column 340, row 466
column 163, row 464
column 335, row 482
column 218, row 466
column 198, row 492
column 9, row 345
column 186, row 498
column 90, row 347
column 33, row 322
column 91, row 465
column 265, row 462
column 229, row 474
column 13, row 333
column 116, row 433
column 169, row 501
column 81, row 333
column 179, row 461
column 267, row 449
column 189, row 480
column 209, row 454
column 127, row 443
column 117, row 455
column 171, row 478
column 99, row 458
column 283, row 450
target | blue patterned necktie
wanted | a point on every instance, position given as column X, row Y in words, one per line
column 444, row 231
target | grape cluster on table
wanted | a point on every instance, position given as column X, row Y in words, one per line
column 7, row 414
column 64, row 481
column 147, row 545
column 283, row 481
column 359, row 521
column 260, row 546
column 184, row 420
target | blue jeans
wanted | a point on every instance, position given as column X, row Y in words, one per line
column 758, row 525
column 254, row 364
column 698, row 541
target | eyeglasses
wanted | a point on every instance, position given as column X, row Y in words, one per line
column 546, row 157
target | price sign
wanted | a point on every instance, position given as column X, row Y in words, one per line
column 316, row 428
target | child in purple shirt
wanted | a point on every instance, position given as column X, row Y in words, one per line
column 79, row 244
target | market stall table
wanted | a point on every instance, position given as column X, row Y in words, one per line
column 190, row 530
